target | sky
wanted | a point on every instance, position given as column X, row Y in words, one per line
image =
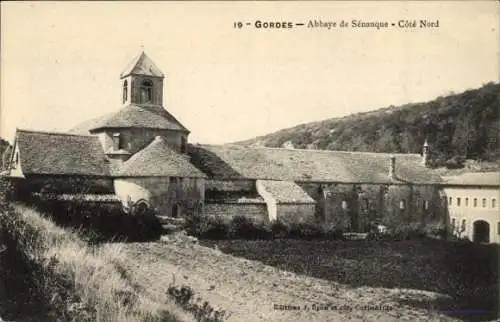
column 61, row 61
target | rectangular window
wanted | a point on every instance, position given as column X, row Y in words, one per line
column 466, row 202
column 173, row 180
column 116, row 142
column 450, row 201
column 475, row 202
column 463, row 225
column 426, row 204
column 498, row 228
column 458, row 202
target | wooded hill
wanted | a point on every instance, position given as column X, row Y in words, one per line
column 457, row 127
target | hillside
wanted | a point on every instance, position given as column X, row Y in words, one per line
column 458, row 127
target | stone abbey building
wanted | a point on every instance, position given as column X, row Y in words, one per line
column 140, row 155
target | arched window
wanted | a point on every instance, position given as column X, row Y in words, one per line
column 466, row 202
column 450, row 201
column 475, row 202
column 493, row 203
column 146, row 91
column 484, row 202
column 125, row 91
column 458, row 202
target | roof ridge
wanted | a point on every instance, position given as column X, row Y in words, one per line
column 54, row 133
column 311, row 150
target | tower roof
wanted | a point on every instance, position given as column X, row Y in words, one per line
column 142, row 65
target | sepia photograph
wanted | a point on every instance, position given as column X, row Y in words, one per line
column 249, row 161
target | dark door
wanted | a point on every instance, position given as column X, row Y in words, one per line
column 481, row 232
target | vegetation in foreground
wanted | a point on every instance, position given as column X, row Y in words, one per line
column 465, row 271
column 78, row 282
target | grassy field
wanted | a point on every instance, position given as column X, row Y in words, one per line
column 296, row 280
column 465, row 274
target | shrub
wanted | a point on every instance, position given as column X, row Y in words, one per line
column 242, row 227
column 100, row 221
column 208, row 227
column 203, row 311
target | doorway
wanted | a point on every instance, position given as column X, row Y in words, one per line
column 481, row 231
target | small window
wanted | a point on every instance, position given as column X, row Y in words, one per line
column 484, row 202
column 175, row 211
column 426, row 204
column 402, row 204
column 466, row 202
column 183, row 144
column 458, row 202
column 16, row 159
column 498, row 228
column 125, row 91
column 493, row 203
column 450, row 201
column 181, row 180
column 462, row 228
column 475, row 202
column 453, row 223
column 117, row 141
column 173, row 179
column 344, row 204
column 146, row 91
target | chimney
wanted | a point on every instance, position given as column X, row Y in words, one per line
column 392, row 168
column 425, row 153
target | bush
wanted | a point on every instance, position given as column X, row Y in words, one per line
column 242, row 227
column 184, row 296
column 101, row 221
column 207, row 227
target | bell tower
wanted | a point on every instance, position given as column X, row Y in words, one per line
column 142, row 83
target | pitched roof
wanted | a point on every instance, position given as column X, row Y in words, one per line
column 133, row 116
column 238, row 162
column 61, row 153
column 142, row 65
column 491, row 179
column 158, row 159
column 286, row 191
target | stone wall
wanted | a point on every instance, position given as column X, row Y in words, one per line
column 255, row 211
column 353, row 207
column 135, row 139
column 296, row 213
column 168, row 196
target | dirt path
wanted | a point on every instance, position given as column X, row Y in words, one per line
column 249, row 290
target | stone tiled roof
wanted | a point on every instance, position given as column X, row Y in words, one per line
column 133, row 116
column 238, row 162
column 60, row 154
column 158, row 159
column 491, row 179
column 286, row 191
column 142, row 65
